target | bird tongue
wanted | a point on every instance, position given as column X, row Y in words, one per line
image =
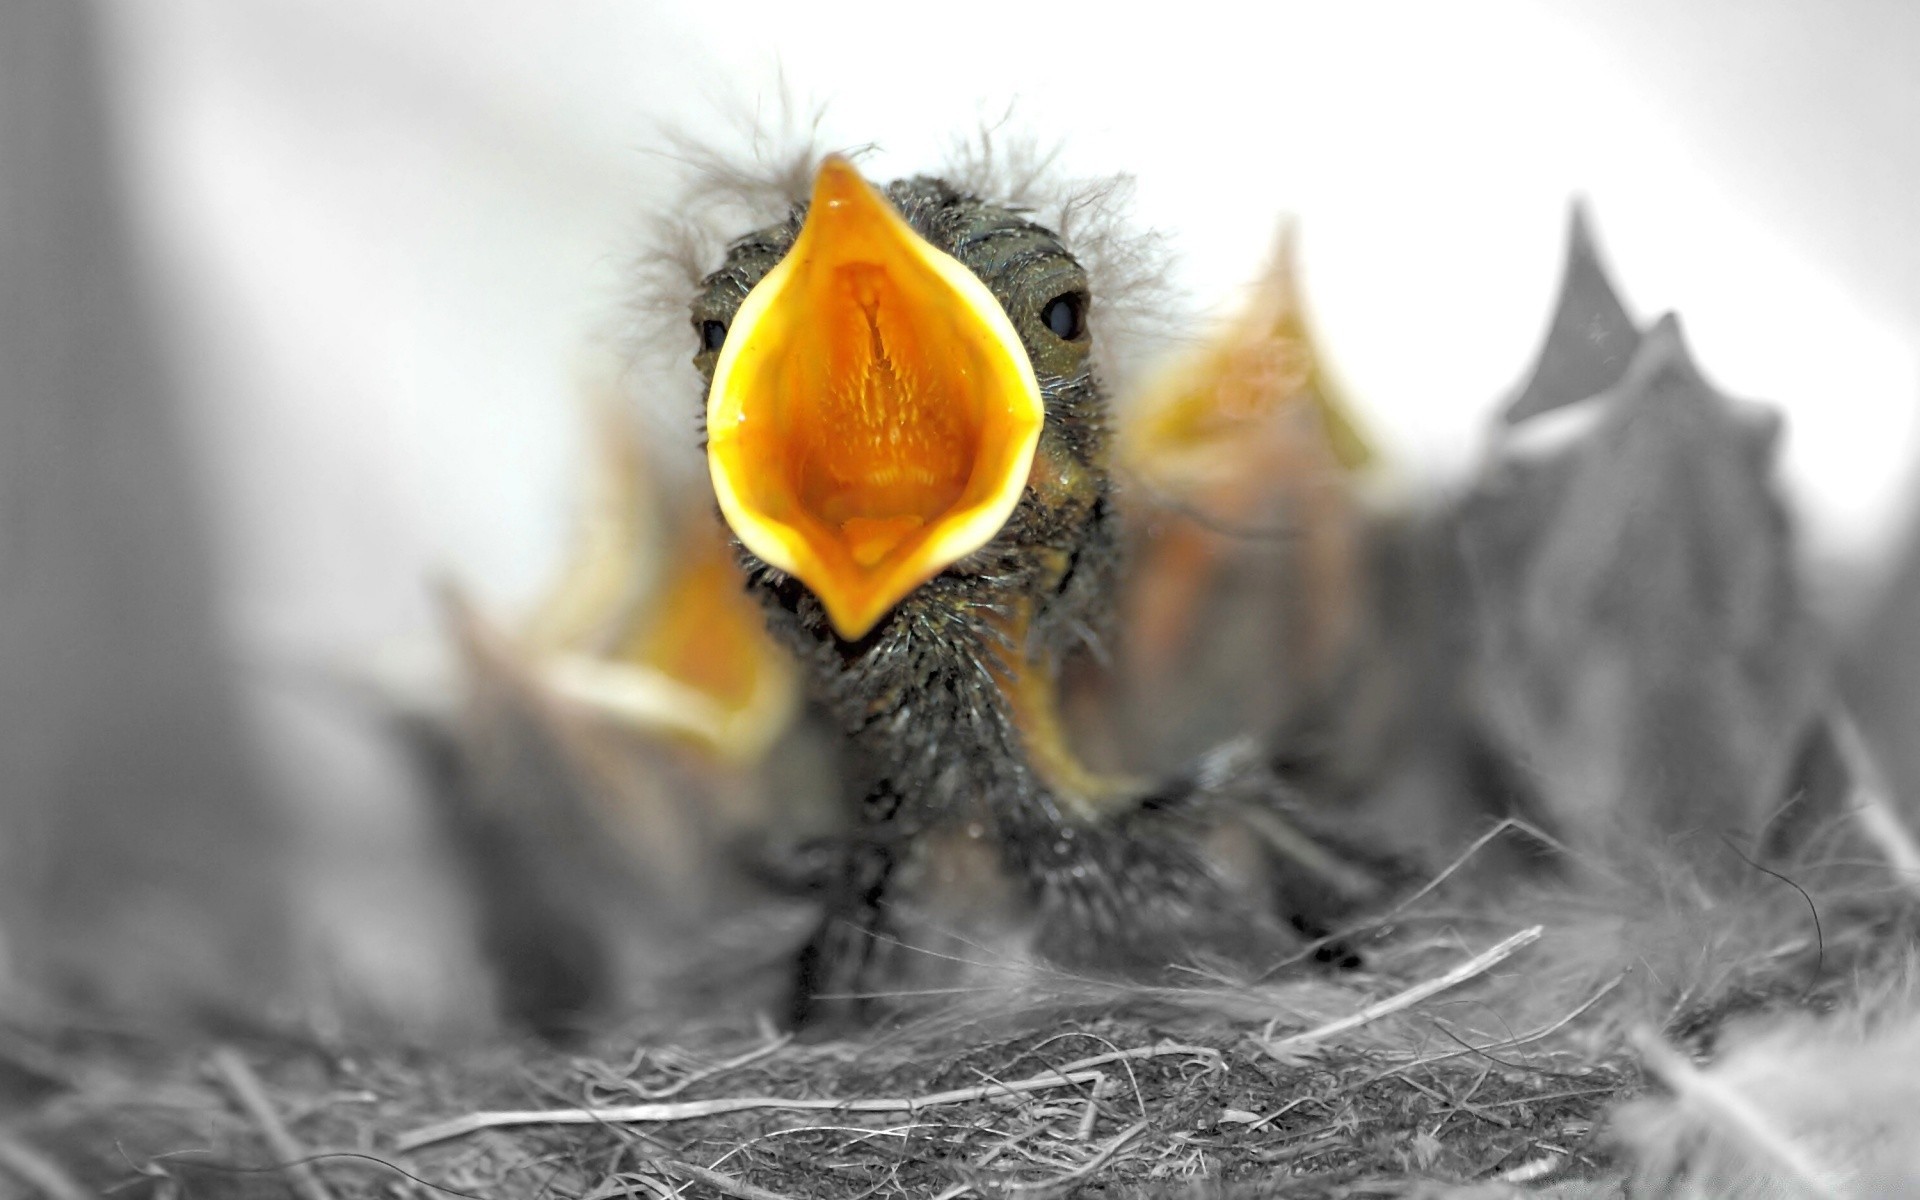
column 892, row 441
column 871, row 539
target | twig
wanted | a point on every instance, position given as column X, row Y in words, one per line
column 39, row 1171
column 1077, row 1072
column 1277, row 1113
column 1533, row 1169
column 630, row 1184
column 719, row 1068
column 1549, row 1097
column 689, row 1110
column 1523, row 1039
column 861, row 1135
column 1089, row 1111
column 1159, row 1050
column 1099, row 1159
column 1724, row 1109
column 1133, row 1078
column 724, row 1184
column 1456, row 1106
column 245, row 1086
column 1477, row 965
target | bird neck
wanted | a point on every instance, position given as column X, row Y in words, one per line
column 952, row 710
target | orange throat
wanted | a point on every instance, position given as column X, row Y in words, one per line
column 873, row 415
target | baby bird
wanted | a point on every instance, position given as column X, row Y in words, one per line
column 907, row 435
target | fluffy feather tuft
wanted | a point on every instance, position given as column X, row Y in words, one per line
column 748, row 172
column 757, row 167
column 1682, row 950
column 1802, row 1107
column 1137, row 307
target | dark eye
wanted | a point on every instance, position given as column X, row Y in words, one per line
column 1065, row 316
column 713, row 334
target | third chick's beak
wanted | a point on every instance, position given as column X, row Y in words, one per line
column 873, row 415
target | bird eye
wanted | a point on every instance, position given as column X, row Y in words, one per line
column 1065, row 316
column 713, row 334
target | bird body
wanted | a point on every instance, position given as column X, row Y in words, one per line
column 947, row 698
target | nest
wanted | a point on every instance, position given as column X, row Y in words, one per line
column 1466, row 1056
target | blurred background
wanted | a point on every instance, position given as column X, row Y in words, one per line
column 298, row 300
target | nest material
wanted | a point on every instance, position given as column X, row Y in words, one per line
column 1462, row 1060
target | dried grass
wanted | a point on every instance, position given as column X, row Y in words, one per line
column 1467, row 1058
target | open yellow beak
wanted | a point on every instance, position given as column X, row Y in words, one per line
column 873, row 415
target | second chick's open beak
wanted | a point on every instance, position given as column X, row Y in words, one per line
column 873, row 414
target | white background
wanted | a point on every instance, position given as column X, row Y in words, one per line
column 386, row 233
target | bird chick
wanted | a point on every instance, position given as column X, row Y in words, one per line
column 1642, row 651
column 907, row 434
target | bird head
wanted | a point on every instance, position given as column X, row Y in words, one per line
column 898, row 380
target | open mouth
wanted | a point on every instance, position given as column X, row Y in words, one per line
column 873, row 415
